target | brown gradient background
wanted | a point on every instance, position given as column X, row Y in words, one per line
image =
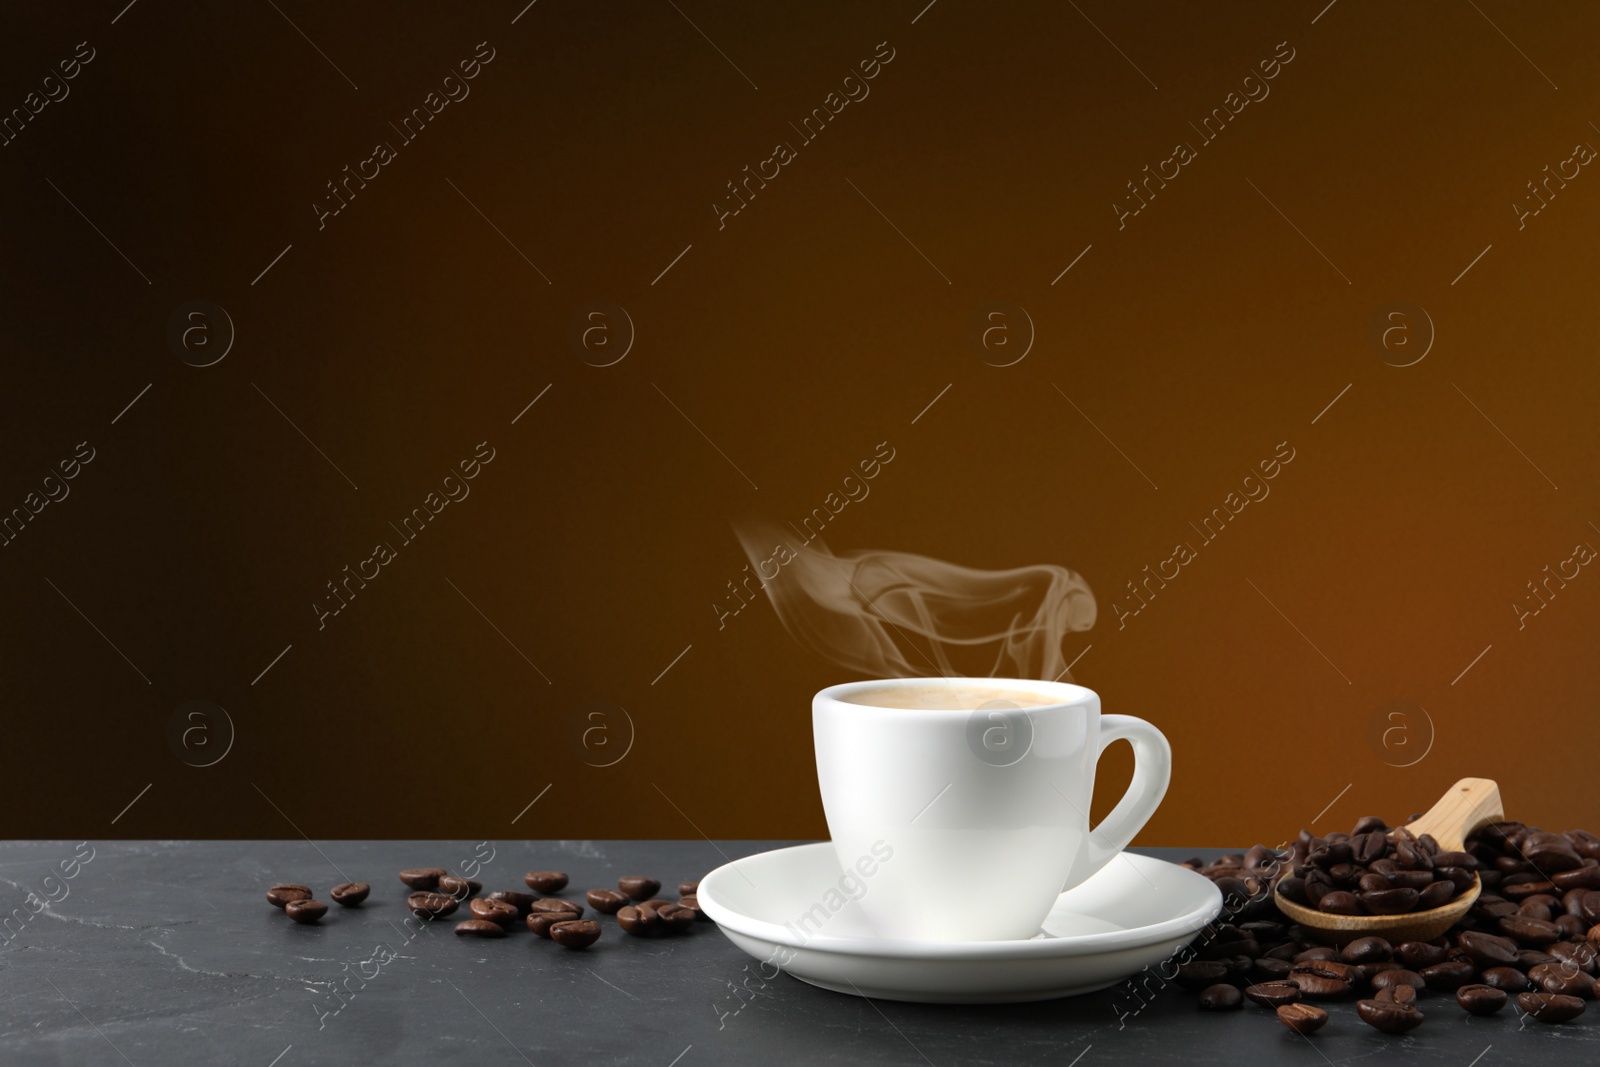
column 797, row 338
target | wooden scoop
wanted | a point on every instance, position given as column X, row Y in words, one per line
column 1470, row 805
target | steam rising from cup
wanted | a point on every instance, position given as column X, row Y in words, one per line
column 897, row 614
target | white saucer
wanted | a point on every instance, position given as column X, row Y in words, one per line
column 1134, row 913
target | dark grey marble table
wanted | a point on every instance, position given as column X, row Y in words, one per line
column 165, row 952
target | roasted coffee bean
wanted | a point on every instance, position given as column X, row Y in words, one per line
column 1436, row 895
column 1449, row 975
column 1272, row 994
column 1293, row 889
column 1371, row 883
column 460, row 888
column 1366, row 950
column 1397, row 978
column 1267, row 969
column 1487, row 950
column 1520, row 891
column 1341, row 902
column 1589, row 907
column 1463, row 860
column 555, row 904
column 540, row 922
column 638, row 887
column 1577, row 878
column 577, row 933
column 428, row 905
column 1481, row 999
column 1322, row 979
column 1221, row 997
column 495, row 911
column 676, row 917
column 692, row 902
column 422, row 877
column 1400, row 994
column 1551, row 853
column 1411, row 879
column 641, row 922
column 1572, row 902
column 546, row 881
column 284, row 892
column 1551, row 900
column 1529, row 958
column 1385, row 902
column 305, row 911
column 523, row 902
column 690, row 889
column 1550, row 1007
column 479, row 928
column 1367, row 847
column 605, row 901
column 1493, row 909
column 1535, row 908
column 350, row 894
column 1507, row 978
column 1529, row 932
column 1302, row 1018
column 1419, row 954
column 1562, row 978
column 1316, row 952
column 1572, row 928
column 1584, row 843
column 1581, row 954
column 1389, row 1016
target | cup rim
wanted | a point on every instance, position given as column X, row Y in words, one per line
column 1071, row 695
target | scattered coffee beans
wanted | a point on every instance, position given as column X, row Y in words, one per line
column 1272, row 994
column 540, row 922
column 305, row 911
column 1220, row 997
column 281, row 894
column 521, row 901
column 422, row 877
column 641, row 922
column 1481, row 999
column 350, row 894
column 546, row 881
column 1550, row 1007
column 479, row 928
column 1302, row 1018
column 637, row 887
column 605, row 901
column 689, row 889
column 460, row 888
column 495, row 911
column 577, row 933
column 427, row 905
column 1390, row 1016
column 555, row 904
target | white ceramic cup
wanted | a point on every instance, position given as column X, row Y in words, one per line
column 983, row 814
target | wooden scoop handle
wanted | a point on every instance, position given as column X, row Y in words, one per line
column 1469, row 806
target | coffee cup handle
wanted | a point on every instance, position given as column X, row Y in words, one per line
column 1152, row 771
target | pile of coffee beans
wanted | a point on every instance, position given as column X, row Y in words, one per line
column 1532, row 934
column 436, row 894
column 1375, row 871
